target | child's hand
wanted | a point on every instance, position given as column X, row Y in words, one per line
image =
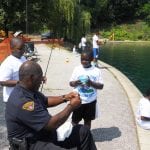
column 89, row 82
column 78, row 82
column 75, row 83
column 71, row 95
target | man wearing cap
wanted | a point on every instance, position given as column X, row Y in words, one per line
column 10, row 67
column 19, row 34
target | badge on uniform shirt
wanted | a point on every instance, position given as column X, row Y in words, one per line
column 28, row 106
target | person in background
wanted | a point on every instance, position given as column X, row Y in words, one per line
column 143, row 113
column 31, row 126
column 10, row 67
column 96, row 47
column 2, row 34
column 74, row 49
column 83, row 42
column 8, row 39
column 86, row 79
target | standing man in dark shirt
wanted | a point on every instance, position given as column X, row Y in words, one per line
column 28, row 119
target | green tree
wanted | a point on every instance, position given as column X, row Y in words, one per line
column 145, row 11
column 13, row 14
column 68, row 19
column 10, row 14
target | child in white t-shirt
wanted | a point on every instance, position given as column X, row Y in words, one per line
column 143, row 113
column 86, row 79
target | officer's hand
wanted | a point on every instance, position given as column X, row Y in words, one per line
column 71, row 95
column 75, row 102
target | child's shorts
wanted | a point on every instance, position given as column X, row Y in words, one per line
column 85, row 111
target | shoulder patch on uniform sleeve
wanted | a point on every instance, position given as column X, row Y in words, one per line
column 28, row 106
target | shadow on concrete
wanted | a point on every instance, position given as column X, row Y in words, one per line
column 105, row 134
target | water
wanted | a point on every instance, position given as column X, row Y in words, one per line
column 131, row 58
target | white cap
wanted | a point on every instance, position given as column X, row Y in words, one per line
column 17, row 33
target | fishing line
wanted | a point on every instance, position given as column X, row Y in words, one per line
column 47, row 67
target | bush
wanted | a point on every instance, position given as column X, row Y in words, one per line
column 136, row 31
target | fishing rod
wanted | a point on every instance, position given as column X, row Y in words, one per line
column 47, row 67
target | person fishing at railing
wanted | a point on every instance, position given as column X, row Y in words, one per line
column 96, row 47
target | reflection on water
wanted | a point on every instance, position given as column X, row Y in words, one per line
column 133, row 59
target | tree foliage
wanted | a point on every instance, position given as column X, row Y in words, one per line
column 69, row 18
column 145, row 11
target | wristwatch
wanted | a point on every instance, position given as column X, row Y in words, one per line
column 64, row 99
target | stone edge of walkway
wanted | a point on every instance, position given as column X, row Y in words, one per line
column 134, row 96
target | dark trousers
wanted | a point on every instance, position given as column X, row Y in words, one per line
column 80, row 139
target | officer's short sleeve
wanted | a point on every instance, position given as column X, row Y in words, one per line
column 33, row 114
column 43, row 98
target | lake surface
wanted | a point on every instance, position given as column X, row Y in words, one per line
column 132, row 59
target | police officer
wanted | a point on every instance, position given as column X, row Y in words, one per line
column 30, row 126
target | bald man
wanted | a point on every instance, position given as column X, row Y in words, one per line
column 10, row 67
column 29, row 123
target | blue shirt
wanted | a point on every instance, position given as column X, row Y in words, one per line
column 26, row 113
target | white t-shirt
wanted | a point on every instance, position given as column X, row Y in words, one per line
column 83, row 41
column 9, row 71
column 143, row 110
column 87, row 94
column 95, row 39
column 74, row 50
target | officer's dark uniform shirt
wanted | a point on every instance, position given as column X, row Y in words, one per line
column 26, row 113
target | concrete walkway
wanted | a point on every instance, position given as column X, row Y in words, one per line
column 116, row 128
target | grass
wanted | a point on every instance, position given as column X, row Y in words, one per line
column 132, row 31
